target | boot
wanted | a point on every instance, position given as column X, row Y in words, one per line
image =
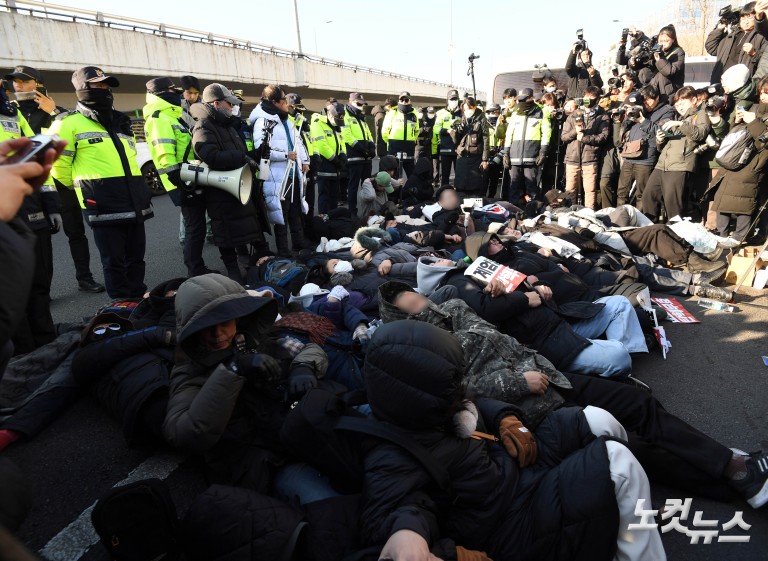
column 713, row 277
column 713, row 292
column 697, row 264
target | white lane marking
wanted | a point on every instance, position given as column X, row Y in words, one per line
column 76, row 539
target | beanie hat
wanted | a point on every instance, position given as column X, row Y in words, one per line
column 368, row 241
column 735, row 78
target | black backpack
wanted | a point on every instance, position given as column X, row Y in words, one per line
column 326, row 432
column 138, row 522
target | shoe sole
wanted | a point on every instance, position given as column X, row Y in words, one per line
column 761, row 497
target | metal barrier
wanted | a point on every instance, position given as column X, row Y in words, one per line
column 76, row 15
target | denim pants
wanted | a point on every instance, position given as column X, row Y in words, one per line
column 303, row 482
column 618, row 322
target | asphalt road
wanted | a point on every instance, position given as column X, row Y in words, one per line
column 713, row 378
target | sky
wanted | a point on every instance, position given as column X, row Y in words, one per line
column 427, row 38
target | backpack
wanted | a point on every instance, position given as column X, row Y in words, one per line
column 326, row 432
column 281, row 272
column 736, row 149
column 138, row 522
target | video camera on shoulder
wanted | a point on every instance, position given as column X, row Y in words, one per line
column 715, row 104
column 729, row 16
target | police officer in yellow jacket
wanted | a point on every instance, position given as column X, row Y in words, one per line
column 100, row 163
column 442, row 141
column 400, row 131
column 41, row 212
column 330, row 154
column 360, row 148
column 296, row 114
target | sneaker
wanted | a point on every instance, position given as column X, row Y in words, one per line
column 713, row 292
column 697, row 264
column 754, row 487
column 90, row 285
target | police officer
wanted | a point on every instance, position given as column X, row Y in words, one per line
column 441, row 140
column 41, row 212
column 493, row 172
column 296, row 115
column 100, row 164
column 330, row 154
column 39, row 110
column 400, row 131
column 360, row 147
column 170, row 144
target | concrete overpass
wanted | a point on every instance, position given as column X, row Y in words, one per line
column 58, row 40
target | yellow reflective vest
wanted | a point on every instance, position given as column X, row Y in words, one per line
column 168, row 138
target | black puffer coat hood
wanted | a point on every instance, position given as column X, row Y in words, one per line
column 207, row 300
column 423, row 397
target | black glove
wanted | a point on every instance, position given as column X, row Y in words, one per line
column 540, row 158
column 260, row 369
column 301, row 379
column 371, row 149
column 163, row 336
column 342, row 158
column 175, row 177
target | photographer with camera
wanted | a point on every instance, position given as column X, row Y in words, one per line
column 584, row 134
column 645, row 113
column 551, row 170
column 497, row 130
column 610, row 167
column 525, row 147
column 581, row 72
column 735, row 41
column 677, row 139
column 715, row 106
column 639, row 58
column 472, row 147
column 669, row 59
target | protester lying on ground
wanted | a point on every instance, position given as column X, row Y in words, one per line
column 577, row 493
column 445, row 214
column 371, row 245
column 127, row 363
column 231, row 386
column 569, row 336
column 499, row 367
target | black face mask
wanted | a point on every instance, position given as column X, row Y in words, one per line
column 171, row 97
column 493, row 119
column 404, row 108
column 96, row 99
column 524, row 106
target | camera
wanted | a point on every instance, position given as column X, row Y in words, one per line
column 729, row 16
column 473, row 57
column 616, row 83
column 643, row 53
column 581, row 44
column 624, row 34
column 558, row 115
column 578, row 117
column 715, row 89
column 710, row 143
column 714, row 104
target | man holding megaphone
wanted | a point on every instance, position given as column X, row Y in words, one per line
column 217, row 143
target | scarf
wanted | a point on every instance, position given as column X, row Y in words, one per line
column 317, row 328
column 98, row 100
column 171, row 97
column 270, row 109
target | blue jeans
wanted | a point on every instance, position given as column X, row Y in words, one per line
column 303, row 482
column 618, row 322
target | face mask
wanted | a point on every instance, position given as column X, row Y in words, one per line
column 224, row 111
column 493, row 119
column 404, row 107
column 430, row 115
column 24, row 96
column 359, row 104
column 453, row 104
column 235, row 110
column 524, row 105
column 170, row 97
column 97, row 99
column 588, row 102
column 343, row 267
column 468, row 113
column 550, row 89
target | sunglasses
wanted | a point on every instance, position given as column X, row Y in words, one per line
column 102, row 329
column 406, row 99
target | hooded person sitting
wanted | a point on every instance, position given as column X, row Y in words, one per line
column 574, row 500
column 445, row 214
column 418, row 187
column 232, row 386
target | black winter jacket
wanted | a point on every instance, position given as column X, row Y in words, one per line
column 579, row 77
column 218, row 144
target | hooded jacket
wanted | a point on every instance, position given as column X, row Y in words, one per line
column 285, row 138
column 677, row 152
column 211, row 409
column 418, row 188
column 218, row 144
column 494, row 362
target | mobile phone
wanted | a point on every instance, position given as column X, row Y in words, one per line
column 35, row 151
column 739, row 108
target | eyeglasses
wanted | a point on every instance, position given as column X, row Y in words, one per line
column 102, row 329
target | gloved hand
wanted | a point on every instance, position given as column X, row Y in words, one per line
column 175, row 177
column 506, row 160
column 540, row 158
column 360, row 334
column 301, row 379
column 163, row 336
column 342, row 158
column 262, row 370
column 371, row 149
column 252, row 163
column 339, row 293
column 55, row 221
column 518, row 440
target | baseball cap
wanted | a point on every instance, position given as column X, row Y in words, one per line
column 218, row 92
column 383, row 179
column 24, row 73
column 404, row 94
column 525, row 94
column 355, row 96
column 91, row 74
column 162, row 84
column 295, row 100
column 492, row 108
column 453, row 94
column 430, row 110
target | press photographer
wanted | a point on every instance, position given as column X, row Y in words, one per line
column 669, row 59
column 639, row 58
column 580, row 70
column 735, row 41
column 715, row 105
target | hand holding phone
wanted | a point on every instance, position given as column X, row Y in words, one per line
column 22, row 153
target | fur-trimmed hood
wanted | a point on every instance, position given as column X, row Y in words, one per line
column 368, row 241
